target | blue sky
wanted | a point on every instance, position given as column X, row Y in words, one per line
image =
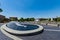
column 30, row 8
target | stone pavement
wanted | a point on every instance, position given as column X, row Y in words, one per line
column 46, row 35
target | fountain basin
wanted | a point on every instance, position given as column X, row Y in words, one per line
column 21, row 29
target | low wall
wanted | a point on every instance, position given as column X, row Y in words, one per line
column 51, row 24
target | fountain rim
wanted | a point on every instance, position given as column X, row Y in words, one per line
column 22, row 32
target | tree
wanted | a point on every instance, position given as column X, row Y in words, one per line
column 21, row 19
column 1, row 10
column 55, row 19
column 58, row 18
column 29, row 19
column 26, row 19
column 49, row 19
column 43, row 19
column 32, row 19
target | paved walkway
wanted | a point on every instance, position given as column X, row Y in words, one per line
column 46, row 35
column 50, row 33
column 4, row 37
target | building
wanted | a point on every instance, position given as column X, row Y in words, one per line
column 13, row 18
column 6, row 20
column 2, row 18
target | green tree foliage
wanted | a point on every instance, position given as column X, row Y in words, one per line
column 26, row 19
column 49, row 19
column 43, row 19
column 56, row 19
column 32, row 19
column 1, row 10
column 29, row 19
column 21, row 19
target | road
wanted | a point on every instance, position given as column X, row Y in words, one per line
column 53, row 33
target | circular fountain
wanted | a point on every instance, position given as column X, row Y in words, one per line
column 22, row 29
